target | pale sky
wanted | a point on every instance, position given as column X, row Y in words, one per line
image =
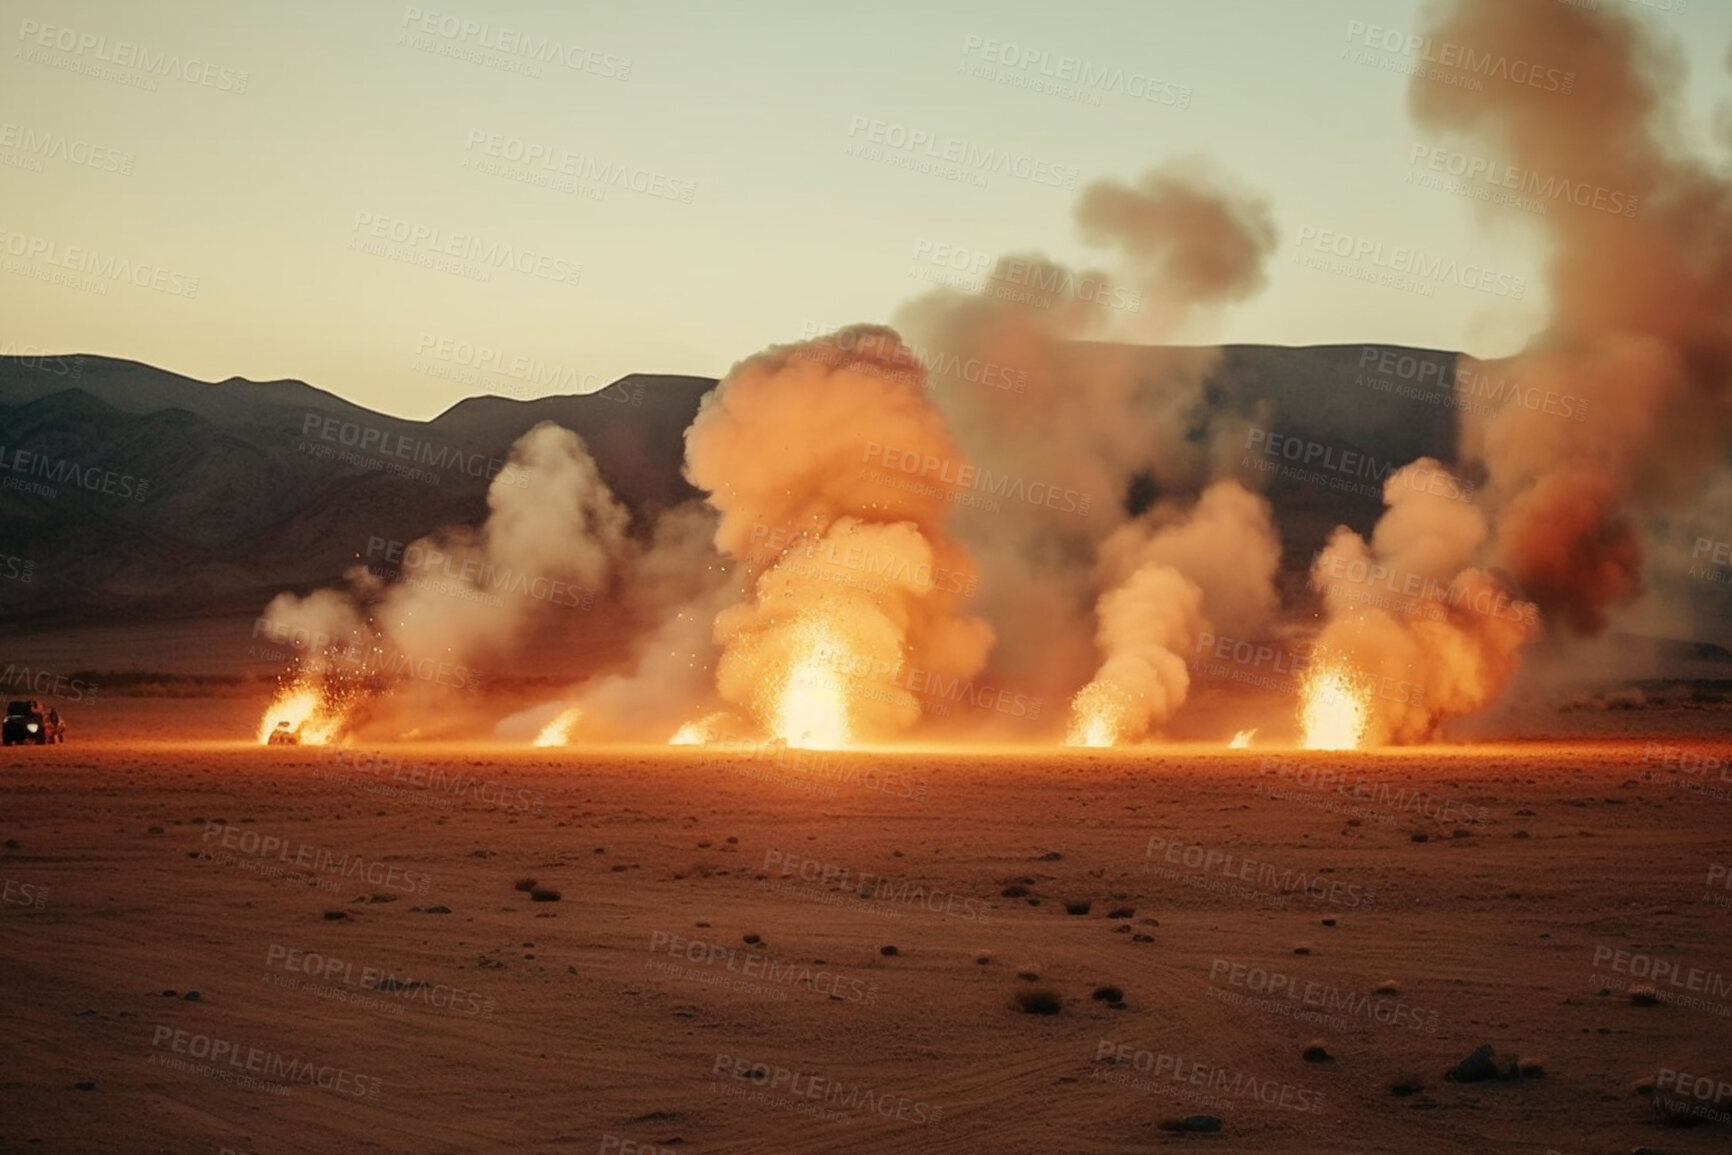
column 283, row 144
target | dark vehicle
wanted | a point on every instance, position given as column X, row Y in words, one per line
column 26, row 722
column 284, row 735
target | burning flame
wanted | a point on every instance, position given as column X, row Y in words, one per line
column 1334, row 712
column 701, row 732
column 558, row 731
column 811, row 712
column 1242, row 740
column 301, row 710
column 1097, row 714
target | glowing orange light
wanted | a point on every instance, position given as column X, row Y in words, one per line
column 301, row 712
column 1242, row 740
column 558, row 732
column 702, row 731
column 1334, row 710
column 811, row 710
column 1097, row 714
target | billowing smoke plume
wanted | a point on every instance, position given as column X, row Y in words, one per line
column 1170, row 576
column 463, row 598
column 1639, row 336
column 834, row 475
column 1043, row 409
column 1423, row 636
column 1616, row 408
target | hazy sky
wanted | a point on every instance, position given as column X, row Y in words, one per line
column 335, row 190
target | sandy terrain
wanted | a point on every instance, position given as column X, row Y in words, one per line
column 635, row 1008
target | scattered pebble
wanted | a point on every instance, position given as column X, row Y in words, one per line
column 544, row 894
column 1316, row 1052
column 888, row 951
column 1077, row 907
column 1201, row 1124
column 1108, row 995
column 1038, row 1002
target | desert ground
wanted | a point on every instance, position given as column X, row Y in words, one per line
column 216, row 945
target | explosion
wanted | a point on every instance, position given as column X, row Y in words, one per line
column 1242, row 739
column 558, row 732
column 811, row 706
column 807, row 450
column 306, row 713
column 1334, row 709
column 1098, row 715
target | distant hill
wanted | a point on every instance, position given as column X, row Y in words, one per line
column 222, row 494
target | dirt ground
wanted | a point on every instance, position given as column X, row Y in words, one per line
column 717, row 973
